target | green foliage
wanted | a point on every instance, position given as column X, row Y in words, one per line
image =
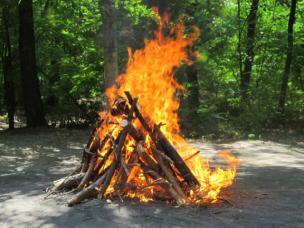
column 70, row 60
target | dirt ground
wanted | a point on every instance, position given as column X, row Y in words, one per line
column 269, row 190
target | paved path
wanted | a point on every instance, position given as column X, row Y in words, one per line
column 269, row 191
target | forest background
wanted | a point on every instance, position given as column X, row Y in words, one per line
column 58, row 57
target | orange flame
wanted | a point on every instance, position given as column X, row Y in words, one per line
column 150, row 76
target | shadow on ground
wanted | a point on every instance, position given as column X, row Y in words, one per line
column 268, row 192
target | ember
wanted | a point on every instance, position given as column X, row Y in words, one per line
column 136, row 150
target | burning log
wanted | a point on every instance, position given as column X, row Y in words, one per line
column 178, row 161
column 163, row 144
column 124, row 172
column 169, row 174
column 167, row 186
column 117, row 151
column 146, row 159
column 88, row 174
column 90, row 147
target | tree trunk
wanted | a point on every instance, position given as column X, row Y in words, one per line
column 239, row 47
column 285, row 77
column 248, row 63
column 9, row 85
column 109, row 42
column 30, row 83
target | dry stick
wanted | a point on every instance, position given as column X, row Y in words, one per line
column 167, row 186
column 68, row 182
column 100, row 165
column 169, row 174
column 88, row 192
column 123, row 175
column 91, row 153
column 92, row 144
column 58, row 183
column 146, row 158
column 123, row 164
column 178, row 161
column 88, row 174
column 154, row 170
column 135, row 134
column 93, row 158
column 117, row 151
column 191, row 156
column 155, row 182
column 164, row 156
column 163, row 144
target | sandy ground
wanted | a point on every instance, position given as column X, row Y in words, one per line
column 269, row 190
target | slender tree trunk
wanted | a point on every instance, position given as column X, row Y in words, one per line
column 30, row 83
column 239, row 47
column 9, row 85
column 246, row 72
column 285, row 77
column 109, row 41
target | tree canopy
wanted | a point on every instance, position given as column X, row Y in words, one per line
column 233, row 89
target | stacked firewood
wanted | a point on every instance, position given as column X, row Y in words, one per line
column 162, row 165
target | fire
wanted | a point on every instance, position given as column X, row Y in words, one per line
column 150, row 76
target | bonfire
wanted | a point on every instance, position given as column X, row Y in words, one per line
column 136, row 150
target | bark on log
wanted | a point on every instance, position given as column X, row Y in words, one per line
column 117, row 151
column 100, row 165
column 88, row 174
column 167, row 186
column 123, row 175
column 145, row 158
column 68, row 182
column 178, row 161
column 169, row 174
column 88, row 192
column 89, row 147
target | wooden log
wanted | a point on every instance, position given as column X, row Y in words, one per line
column 166, row 186
column 88, row 174
column 135, row 134
column 178, row 161
column 164, row 145
column 92, row 150
column 146, row 158
column 61, row 180
column 108, row 178
column 92, row 141
column 123, row 175
column 164, row 156
column 69, row 182
column 117, row 150
column 119, row 107
column 91, row 153
column 90, row 191
column 169, row 174
column 101, row 164
column 124, row 165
